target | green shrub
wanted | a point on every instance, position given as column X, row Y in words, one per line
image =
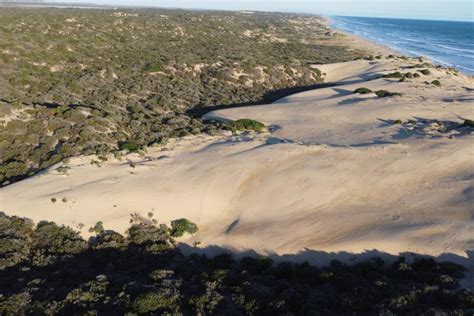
column 157, row 301
column 15, row 233
column 129, row 146
column 436, row 83
column 50, row 241
column 396, row 75
column 385, row 94
column 425, row 72
column 62, row 169
column 181, row 226
column 154, row 239
column 416, row 75
column 245, row 125
column 98, row 228
column 398, row 121
column 362, row 91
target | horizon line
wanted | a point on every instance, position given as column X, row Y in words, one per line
column 112, row 6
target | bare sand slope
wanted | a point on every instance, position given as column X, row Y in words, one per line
column 333, row 174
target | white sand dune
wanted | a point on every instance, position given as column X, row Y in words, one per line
column 334, row 174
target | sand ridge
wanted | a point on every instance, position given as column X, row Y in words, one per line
column 333, row 174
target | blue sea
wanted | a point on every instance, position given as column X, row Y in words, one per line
column 444, row 42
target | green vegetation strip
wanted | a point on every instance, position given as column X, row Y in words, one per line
column 245, row 125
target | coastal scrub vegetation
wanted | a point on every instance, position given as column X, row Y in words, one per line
column 362, row 90
column 425, row 72
column 396, row 75
column 386, row 94
column 78, row 81
column 49, row 269
column 245, row 125
column 436, row 83
column 401, row 76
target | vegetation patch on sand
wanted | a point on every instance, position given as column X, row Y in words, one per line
column 436, row 83
column 425, row 72
column 386, row 94
column 362, row 91
column 245, row 125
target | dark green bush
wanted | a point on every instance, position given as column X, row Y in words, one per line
column 362, row 91
column 245, row 125
column 181, row 226
column 130, row 147
column 98, row 228
column 436, row 83
column 15, row 233
column 396, row 75
column 425, row 72
column 157, row 301
column 50, row 242
column 385, row 94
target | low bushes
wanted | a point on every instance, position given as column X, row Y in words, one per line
column 436, row 83
column 425, row 72
column 379, row 93
column 129, row 146
column 181, row 226
column 245, row 125
column 385, row 94
column 362, row 91
column 396, row 75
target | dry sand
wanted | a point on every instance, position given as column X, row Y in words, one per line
column 334, row 173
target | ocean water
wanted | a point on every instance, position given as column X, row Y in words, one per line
column 444, row 42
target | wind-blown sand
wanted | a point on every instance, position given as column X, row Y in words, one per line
column 333, row 174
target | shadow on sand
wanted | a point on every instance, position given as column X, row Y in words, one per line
column 267, row 98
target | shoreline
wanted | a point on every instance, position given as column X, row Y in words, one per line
column 361, row 42
column 395, row 49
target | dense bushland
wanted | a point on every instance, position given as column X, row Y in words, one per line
column 50, row 269
column 93, row 81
